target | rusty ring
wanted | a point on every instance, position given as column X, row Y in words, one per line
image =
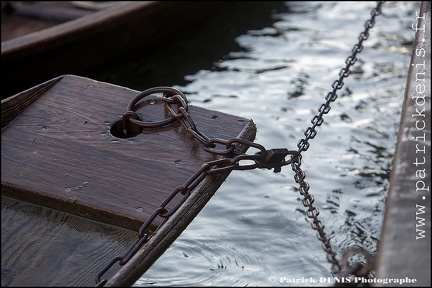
column 145, row 93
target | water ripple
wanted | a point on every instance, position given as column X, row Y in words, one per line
column 276, row 66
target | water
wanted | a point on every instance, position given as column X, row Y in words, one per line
column 275, row 66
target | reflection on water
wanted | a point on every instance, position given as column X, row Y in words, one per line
column 275, row 64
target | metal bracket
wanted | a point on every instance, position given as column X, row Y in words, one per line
column 276, row 158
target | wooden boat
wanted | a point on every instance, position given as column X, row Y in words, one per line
column 45, row 39
column 81, row 203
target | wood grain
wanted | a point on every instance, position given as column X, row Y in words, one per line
column 46, row 248
column 73, row 192
column 60, row 153
column 77, row 45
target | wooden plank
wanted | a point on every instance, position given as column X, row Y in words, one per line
column 58, row 35
column 77, row 45
column 70, row 187
column 20, row 18
column 43, row 247
column 12, row 106
column 60, row 153
column 404, row 251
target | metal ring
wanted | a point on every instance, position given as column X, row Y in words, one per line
column 148, row 92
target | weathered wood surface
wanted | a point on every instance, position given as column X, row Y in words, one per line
column 405, row 247
column 76, row 45
column 58, row 154
column 48, row 248
column 19, row 18
column 14, row 105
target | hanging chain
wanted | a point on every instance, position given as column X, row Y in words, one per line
column 230, row 158
column 303, row 145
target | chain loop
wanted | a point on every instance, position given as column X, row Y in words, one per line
column 170, row 96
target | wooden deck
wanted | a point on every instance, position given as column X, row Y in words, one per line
column 74, row 196
column 404, row 250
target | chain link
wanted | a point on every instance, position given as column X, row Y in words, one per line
column 303, row 145
column 231, row 159
column 317, row 120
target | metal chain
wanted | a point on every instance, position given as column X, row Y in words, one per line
column 317, row 120
column 231, row 159
column 310, row 133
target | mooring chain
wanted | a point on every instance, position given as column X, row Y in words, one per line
column 132, row 125
column 317, row 120
column 229, row 159
column 344, row 268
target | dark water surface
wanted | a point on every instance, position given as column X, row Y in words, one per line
column 274, row 62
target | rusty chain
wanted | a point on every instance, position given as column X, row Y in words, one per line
column 303, row 145
column 231, row 160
